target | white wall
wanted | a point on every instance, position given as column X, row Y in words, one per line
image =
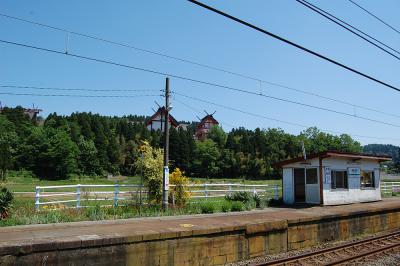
column 354, row 193
column 288, row 180
column 156, row 123
column 336, row 196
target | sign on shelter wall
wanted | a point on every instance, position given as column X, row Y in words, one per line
column 353, row 172
column 327, row 175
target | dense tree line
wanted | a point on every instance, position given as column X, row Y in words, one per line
column 90, row 144
column 386, row 149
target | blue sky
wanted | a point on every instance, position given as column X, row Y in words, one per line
column 181, row 29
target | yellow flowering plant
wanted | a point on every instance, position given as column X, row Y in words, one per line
column 179, row 193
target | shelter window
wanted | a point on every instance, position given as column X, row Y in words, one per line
column 311, row 176
column 339, row 179
column 367, row 179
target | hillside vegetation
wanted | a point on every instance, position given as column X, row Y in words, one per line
column 60, row 147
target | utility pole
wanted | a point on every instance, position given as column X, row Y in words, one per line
column 166, row 147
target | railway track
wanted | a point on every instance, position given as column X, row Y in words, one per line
column 351, row 253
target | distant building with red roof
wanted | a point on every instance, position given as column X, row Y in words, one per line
column 32, row 113
column 203, row 128
column 157, row 121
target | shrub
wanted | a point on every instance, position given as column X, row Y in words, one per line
column 226, row 206
column 249, row 205
column 179, row 194
column 241, row 196
column 257, row 200
column 152, row 166
column 207, row 207
column 6, row 198
column 237, row 206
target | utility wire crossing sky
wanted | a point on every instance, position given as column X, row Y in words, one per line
column 194, row 77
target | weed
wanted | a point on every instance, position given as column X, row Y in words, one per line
column 207, row 207
column 241, row 196
column 226, row 206
column 6, row 198
column 237, row 206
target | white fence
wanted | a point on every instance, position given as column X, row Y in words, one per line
column 80, row 196
column 221, row 190
column 388, row 188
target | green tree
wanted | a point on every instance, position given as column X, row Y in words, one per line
column 5, row 156
column 152, row 165
column 8, row 140
column 218, row 135
column 61, row 155
column 206, row 158
column 88, row 161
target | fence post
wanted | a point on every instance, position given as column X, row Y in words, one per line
column 230, row 190
column 276, row 194
column 116, row 191
column 37, row 200
column 205, row 191
column 254, row 190
column 78, row 196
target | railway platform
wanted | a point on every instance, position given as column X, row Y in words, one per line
column 213, row 239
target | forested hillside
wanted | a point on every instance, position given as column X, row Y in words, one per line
column 386, row 149
column 90, row 144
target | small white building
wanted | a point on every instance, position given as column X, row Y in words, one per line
column 332, row 178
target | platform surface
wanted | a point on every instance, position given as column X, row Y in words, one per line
column 76, row 234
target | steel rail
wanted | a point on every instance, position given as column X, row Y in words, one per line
column 297, row 258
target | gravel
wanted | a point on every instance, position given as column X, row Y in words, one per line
column 386, row 260
column 391, row 259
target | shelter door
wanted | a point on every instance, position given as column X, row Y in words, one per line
column 299, row 185
column 312, row 186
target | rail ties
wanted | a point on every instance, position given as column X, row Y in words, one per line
column 358, row 251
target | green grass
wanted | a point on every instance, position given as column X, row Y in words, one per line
column 23, row 212
column 23, row 182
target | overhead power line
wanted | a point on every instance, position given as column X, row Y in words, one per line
column 295, row 45
column 71, row 89
column 206, row 66
column 200, row 113
column 129, row 46
column 201, row 82
column 375, row 16
column 349, row 28
column 78, row 96
column 271, row 118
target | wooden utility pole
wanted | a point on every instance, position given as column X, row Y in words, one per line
column 166, row 147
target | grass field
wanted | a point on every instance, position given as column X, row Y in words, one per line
column 23, row 211
column 23, row 207
column 20, row 182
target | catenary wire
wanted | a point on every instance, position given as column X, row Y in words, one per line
column 271, row 118
column 72, row 89
column 375, row 16
column 203, row 65
column 247, row 24
column 201, row 82
column 348, row 27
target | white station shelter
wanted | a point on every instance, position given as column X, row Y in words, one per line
column 332, row 178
